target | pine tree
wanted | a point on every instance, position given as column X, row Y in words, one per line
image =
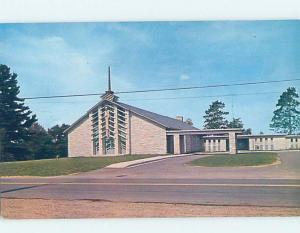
column 286, row 118
column 15, row 118
column 2, row 132
column 236, row 123
column 215, row 116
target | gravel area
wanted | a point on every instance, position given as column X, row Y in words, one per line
column 40, row 209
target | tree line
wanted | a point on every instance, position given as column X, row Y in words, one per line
column 286, row 117
column 23, row 138
column 215, row 118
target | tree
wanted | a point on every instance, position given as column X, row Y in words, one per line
column 189, row 121
column 215, row 116
column 45, row 144
column 40, row 144
column 15, row 117
column 2, row 132
column 286, row 118
column 247, row 131
column 59, row 139
column 235, row 123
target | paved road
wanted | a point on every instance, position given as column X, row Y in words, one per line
column 172, row 181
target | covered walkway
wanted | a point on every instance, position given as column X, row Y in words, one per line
column 188, row 141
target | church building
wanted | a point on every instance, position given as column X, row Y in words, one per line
column 115, row 128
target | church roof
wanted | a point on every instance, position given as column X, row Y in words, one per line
column 167, row 122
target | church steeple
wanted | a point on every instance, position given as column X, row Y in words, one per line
column 109, row 94
column 109, row 83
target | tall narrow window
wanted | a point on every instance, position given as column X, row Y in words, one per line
column 95, row 131
column 108, row 128
column 122, row 129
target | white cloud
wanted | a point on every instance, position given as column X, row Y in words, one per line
column 184, row 77
column 50, row 65
column 53, row 66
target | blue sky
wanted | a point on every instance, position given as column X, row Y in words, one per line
column 72, row 58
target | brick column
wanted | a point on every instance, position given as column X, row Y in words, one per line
column 206, row 146
column 116, row 132
column 100, row 132
column 232, row 143
column 128, row 132
column 91, row 130
column 176, row 144
column 223, row 145
column 184, row 144
column 251, row 144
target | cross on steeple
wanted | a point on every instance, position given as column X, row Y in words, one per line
column 109, row 94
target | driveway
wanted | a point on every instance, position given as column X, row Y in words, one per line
column 177, row 168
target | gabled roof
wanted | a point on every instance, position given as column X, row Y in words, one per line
column 167, row 122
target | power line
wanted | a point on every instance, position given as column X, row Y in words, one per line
column 61, row 96
column 207, row 96
column 208, row 86
column 170, row 98
column 164, row 89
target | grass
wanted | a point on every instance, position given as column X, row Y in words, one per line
column 226, row 160
column 63, row 166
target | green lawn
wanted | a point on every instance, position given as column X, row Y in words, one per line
column 226, row 160
column 63, row 166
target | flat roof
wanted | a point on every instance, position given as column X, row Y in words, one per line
column 256, row 136
column 205, row 131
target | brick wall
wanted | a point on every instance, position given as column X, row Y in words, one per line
column 293, row 142
column 278, row 143
column 146, row 136
column 193, row 143
column 266, row 143
column 79, row 140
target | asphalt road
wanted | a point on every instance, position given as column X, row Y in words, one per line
column 172, row 181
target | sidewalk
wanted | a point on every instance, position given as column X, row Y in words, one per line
column 146, row 160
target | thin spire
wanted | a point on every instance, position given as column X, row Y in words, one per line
column 109, row 83
column 109, row 94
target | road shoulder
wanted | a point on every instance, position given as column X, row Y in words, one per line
column 41, row 209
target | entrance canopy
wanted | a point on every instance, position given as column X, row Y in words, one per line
column 178, row 138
